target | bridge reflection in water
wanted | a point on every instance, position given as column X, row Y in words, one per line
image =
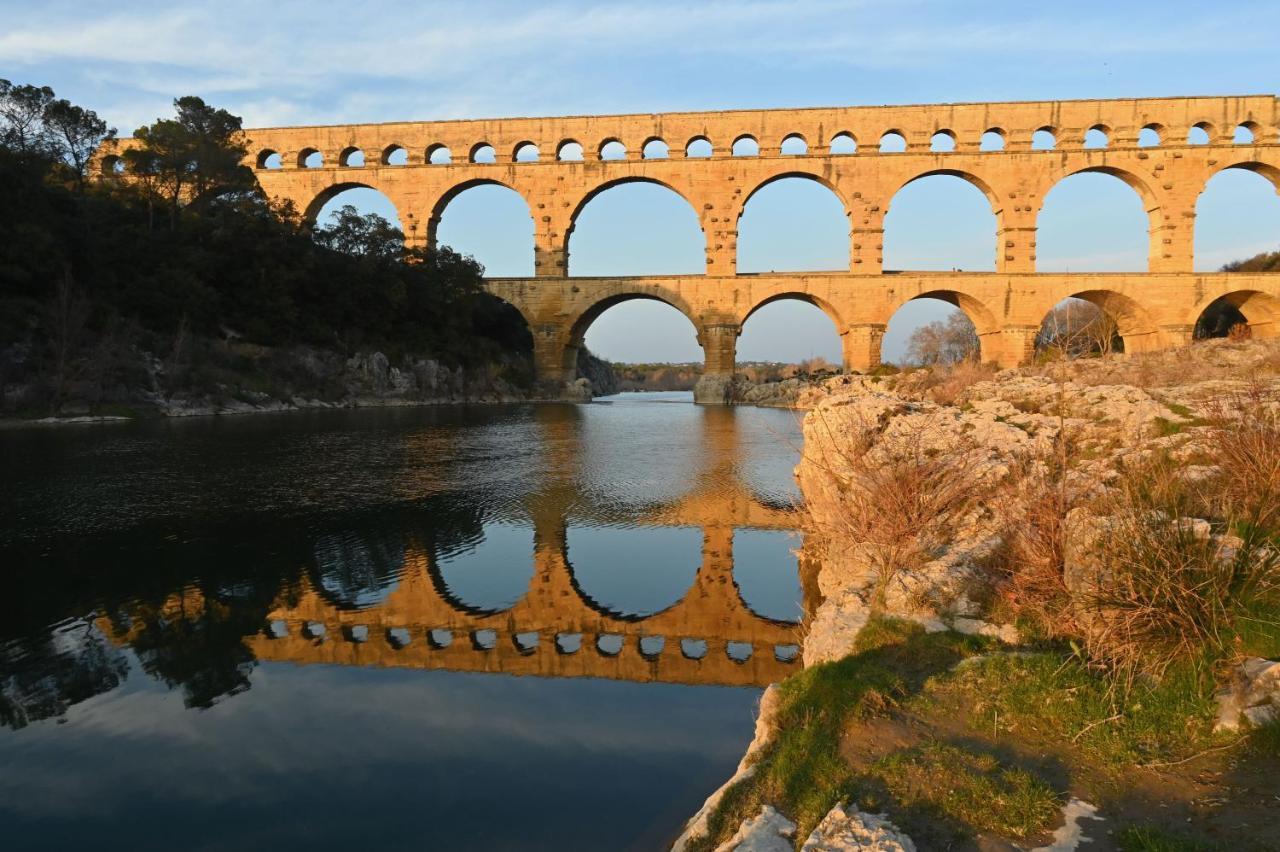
column 445, row 587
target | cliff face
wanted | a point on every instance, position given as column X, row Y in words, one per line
column 957, row 457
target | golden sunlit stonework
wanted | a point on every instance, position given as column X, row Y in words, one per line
column 1153, row 310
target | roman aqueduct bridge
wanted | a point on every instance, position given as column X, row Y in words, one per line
column 422, row 166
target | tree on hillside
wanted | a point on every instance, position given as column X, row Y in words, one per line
column 73, row 134
column 367, row 235
column 191, row 157
column 36, row 124
column 948, row 341
column 22, row 112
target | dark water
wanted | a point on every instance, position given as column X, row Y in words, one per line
column 526, row 627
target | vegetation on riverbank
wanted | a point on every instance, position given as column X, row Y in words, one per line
column 184, row 280
column 1140, row 564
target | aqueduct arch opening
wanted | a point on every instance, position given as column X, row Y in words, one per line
column 603, row 234
column 791, row 222
column 943, row 220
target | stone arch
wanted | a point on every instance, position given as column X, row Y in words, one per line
column 993, row 139
column 438, row 154
column 655, row 148
column 892, row 235
column 1234, row 209
column 1140, row 184
column 482, row 152
column 1260, row 309
column 695, row 140
column 611, row 148
column 1044, row 138
column 985, row 320
column 1152, row 135
column 843, row 143
column 804, row 242
column 113, row 165
column 390, row 152
column 596, row 191
column 745, row 145
column 1097, row 136
column 796, row 142
column 565, row 152
column 577, row 329
column 1201, row 133
column 330, row 192
column 1134, row 324
column 441, row 205
column 942, row 142
column 525, row 152
column 306, row 154
column 347, row 158
column 1252, row 128
column 809, row 298
column 261, row 161
column 1267, row 170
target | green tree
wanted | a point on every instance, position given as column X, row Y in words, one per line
column 190, row 158
column 73, row 134
column 368, row 236
column 22, row 118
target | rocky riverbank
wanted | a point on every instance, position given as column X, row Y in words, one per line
column 1050, row 598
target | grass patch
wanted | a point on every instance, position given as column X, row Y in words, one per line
column 968, row 788
column 1056, row 696
column 1149, row 838
column 1265, row 741
column 1180, row 410
column 802, row 773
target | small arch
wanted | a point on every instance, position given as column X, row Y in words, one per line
column 395, row 155
column 609, row 644
column 351, row 158
column 525, row 152
column 1098, row 136
column 1044, row 139
column 843, row 143
column 482, row 152
column 738, row 652
column 698, row 147
column 654, row 148
column 267, row 159
column 439, row 155
column 1150, row 136
column 113, row 165
column 651, row 647
column 569, row 151
column 1246, row 133
column 944, row 141
column 1201, row 133
column 746, row 146
column 893, row 142
column 693, row 649
column 794, row 145
column 612, row 149
column 993, row 139
column 310, row 158
column 1259, row 311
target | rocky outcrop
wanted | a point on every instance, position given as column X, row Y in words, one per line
column 1252, row 696
column 846, row 829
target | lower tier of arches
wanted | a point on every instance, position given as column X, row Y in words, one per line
column 1149, row 311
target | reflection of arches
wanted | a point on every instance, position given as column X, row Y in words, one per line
column 792, row 227
column 686, row 254
column 357, row 570
column 765, row 589
column 488, row 573
column 633, row 573
column 1097, row 230
column 939, row 206
column 493, row 224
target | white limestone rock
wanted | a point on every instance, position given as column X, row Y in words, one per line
column 768, row 832
column 835, row 627
column 846, row 828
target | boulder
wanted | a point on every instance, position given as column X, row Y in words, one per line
column 846, row 828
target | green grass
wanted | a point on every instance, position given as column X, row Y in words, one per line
column 1148, row 838
column 1057, row 696
column 801, row 773
column 969, row 788
column 1180, row 410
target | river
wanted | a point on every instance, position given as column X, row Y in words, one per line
column 490, row 627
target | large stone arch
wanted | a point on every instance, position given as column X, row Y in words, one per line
column 736, row 215
column 1135, row 324
column 330, row 192
column 594, row 192
column 452, row 192
column 986, row 321
column 1142, row 185
column 578, row 325
column 1260, row 309
column 799, row 295
column 1269, row 171
column 994, row 200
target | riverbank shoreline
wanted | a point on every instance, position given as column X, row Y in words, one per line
column 937, row 709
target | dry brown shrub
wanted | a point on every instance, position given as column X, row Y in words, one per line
column 948, row 382
column 1033, row 588
column 1168, row 594
column 903, row 498
column 1244, row 443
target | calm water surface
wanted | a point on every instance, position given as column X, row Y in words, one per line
column 524, row 627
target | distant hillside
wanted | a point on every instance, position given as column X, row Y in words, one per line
column 1265, row 262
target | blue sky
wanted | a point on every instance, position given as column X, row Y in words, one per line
column 289, row 62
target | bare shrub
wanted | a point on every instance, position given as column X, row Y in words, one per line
column 1167, row 593
column 1076, row 328
column 903, row 497
column 948, row 382
column 948, row 341
column 1245, row 437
